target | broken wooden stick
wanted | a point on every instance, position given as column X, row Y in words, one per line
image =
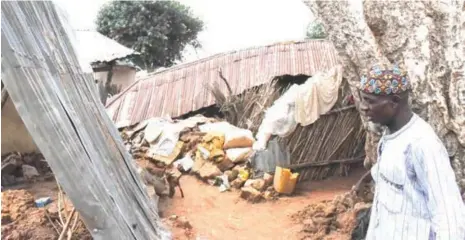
column 73, row 227
column 59, row 205
column 173, row 182
column 65, row 228
column 47, row 214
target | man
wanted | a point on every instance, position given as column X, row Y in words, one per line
column 416, row 194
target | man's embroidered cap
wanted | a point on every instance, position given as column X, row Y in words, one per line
column 384, row 80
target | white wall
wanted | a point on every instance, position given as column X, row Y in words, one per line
column 15, row 136
column 123, row 76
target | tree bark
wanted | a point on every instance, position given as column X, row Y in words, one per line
column 428, row 38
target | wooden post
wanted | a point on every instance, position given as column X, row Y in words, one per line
column 68, row 123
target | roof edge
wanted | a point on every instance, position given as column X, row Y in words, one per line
column 187, row 64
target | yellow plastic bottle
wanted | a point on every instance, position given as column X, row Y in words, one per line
column 284, row 180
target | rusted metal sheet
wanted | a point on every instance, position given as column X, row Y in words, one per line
column 61, row 111
column 181, row 89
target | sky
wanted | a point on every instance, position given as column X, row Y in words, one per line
column 229, row 24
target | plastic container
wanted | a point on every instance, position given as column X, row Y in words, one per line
column 284, row 180
column 42, row 202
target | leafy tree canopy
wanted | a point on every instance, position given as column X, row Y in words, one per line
column 159, row 30
column 315, row 30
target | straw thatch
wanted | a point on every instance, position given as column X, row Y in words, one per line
column 327, row 147
column 247, row 109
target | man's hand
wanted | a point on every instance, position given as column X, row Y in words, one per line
column 364, row 179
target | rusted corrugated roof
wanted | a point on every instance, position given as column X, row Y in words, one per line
column 181, row 89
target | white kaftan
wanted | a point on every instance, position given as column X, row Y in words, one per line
column 416, row 194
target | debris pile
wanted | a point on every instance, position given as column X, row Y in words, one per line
column 345, row 217
column 215, row 151
column 21, row 219
column 19, row 168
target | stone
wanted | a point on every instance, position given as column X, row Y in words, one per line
column 157, row 183
column 231, row 174
column 8, row 167
column 268, row 179
column 198, row 163
column 237, row 183
column 225, row 165
column 29, row 171
column 209, row 171
column 259, row 184
column 271, row 194
column 238, row 168
column 248, row 183
column 251, row 194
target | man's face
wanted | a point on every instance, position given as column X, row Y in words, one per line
column 378, row 109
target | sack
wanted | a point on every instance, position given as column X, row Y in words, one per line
column 239, row 142
column 234, row 137
column 238, row 155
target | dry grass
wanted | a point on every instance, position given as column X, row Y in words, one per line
column 247, row 109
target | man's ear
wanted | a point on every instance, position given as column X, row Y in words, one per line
column 395, row 100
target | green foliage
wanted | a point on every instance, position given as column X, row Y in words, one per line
column 159, row 30
column 315, row 30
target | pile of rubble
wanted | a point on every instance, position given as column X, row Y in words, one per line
column 19, row 168
column 22, row 219
column 345, row 217
column 215, row 151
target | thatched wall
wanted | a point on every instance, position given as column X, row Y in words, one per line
column 327, row 147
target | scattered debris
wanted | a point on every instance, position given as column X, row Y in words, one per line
column 20, row 168
column 215, row 151
column 21, row 219
column 186, row 163
column 29, row 172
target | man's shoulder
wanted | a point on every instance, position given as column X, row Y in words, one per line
column 424, row 135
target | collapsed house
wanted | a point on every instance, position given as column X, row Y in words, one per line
column 239, row 87
column 111, row 68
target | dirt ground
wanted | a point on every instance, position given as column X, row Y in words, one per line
column 215, row 215
column 21, row 219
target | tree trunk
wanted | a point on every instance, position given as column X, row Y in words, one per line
column 428, row 37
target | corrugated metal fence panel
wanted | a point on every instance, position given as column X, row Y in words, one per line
column 60, row 109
